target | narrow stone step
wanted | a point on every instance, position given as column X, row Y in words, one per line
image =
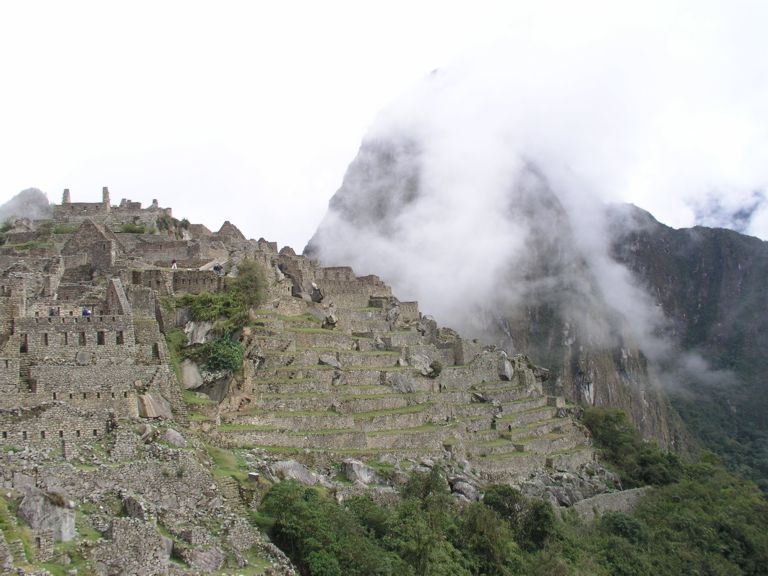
column 18, row 554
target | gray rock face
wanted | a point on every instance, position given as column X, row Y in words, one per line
column 174, row 438
column 197, row 332
column 83, row 358
column 191, row 378
column 45, row 511
column 292, row 470
column 467, row 490
column 356, row 471
column 330, row 321
column 135, row 508
column 154, row 406
column 421, row 362
column 622, row 501
column 207, row 560
column 506, row 370
column 329, row 360
column 399, row 382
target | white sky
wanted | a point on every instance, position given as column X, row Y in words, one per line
column 251, row 111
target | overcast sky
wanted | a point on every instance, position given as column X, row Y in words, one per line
column 251, row 111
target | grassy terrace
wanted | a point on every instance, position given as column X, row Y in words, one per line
column 413, row 409
column 541, row 409
column 341, row 452
column 551, row 436
column 498, row 386
column 194, row 399
column 508, row 455
column 331, row 350
column 280, row 395
column 284, row 381
column 533, row 426
column 246, row 428
column 324, row 432
column 424, row 428
column 491, row 443
column 382, row 395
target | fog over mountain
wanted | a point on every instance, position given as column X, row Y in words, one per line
column 30, row 203
column 488, row 193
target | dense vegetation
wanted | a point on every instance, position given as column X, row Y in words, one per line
column 228, row 310
column 700, row 519
column 636, row 461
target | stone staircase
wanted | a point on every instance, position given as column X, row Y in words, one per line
column 16, row 548
column 230, row 490
column 358, row 389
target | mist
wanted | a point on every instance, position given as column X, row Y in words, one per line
column 485, row 186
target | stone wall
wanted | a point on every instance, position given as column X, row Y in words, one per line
column 50, row 425
column 9, row 376
column 79, row 211
column 196, row 281
column 72, row 338
column 90, row 387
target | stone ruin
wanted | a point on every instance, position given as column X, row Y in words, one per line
column 336, row 366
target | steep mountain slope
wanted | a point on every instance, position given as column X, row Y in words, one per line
column 546, row 289
column 711, row 285
column 619, row 312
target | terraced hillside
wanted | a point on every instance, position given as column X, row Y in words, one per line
column 362, row 374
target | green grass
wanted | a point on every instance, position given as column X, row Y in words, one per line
column 307, row 330
column 176, row 340
column 32, row 245
column 245, row 428
column 11, row 529
column 415, row 430
column 129, row 228
column 326, row 432
column 65, row 229
column 196, row 399
column 298, row 413
column 197, row 417
column 226, row 463
column 412, row 409
column 307, row 317
column 514, row 415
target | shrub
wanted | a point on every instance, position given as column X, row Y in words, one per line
column 637, row 462
column 435, row 368
column 221, row 354
column 130, row 228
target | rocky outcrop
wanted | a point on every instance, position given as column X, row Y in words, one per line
column 154, row 406
column 622, row 501
column 48, row 511
column 135, row 547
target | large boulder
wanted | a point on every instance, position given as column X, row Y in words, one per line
column 506, row 370
column 154, row 406
column 329, row 360
column 173, row 438
column 44, row 511
column 198, row 332
column 421, row 362
column 191, row 378
column 292, row 470
column 356, row 471
column 469, row 491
